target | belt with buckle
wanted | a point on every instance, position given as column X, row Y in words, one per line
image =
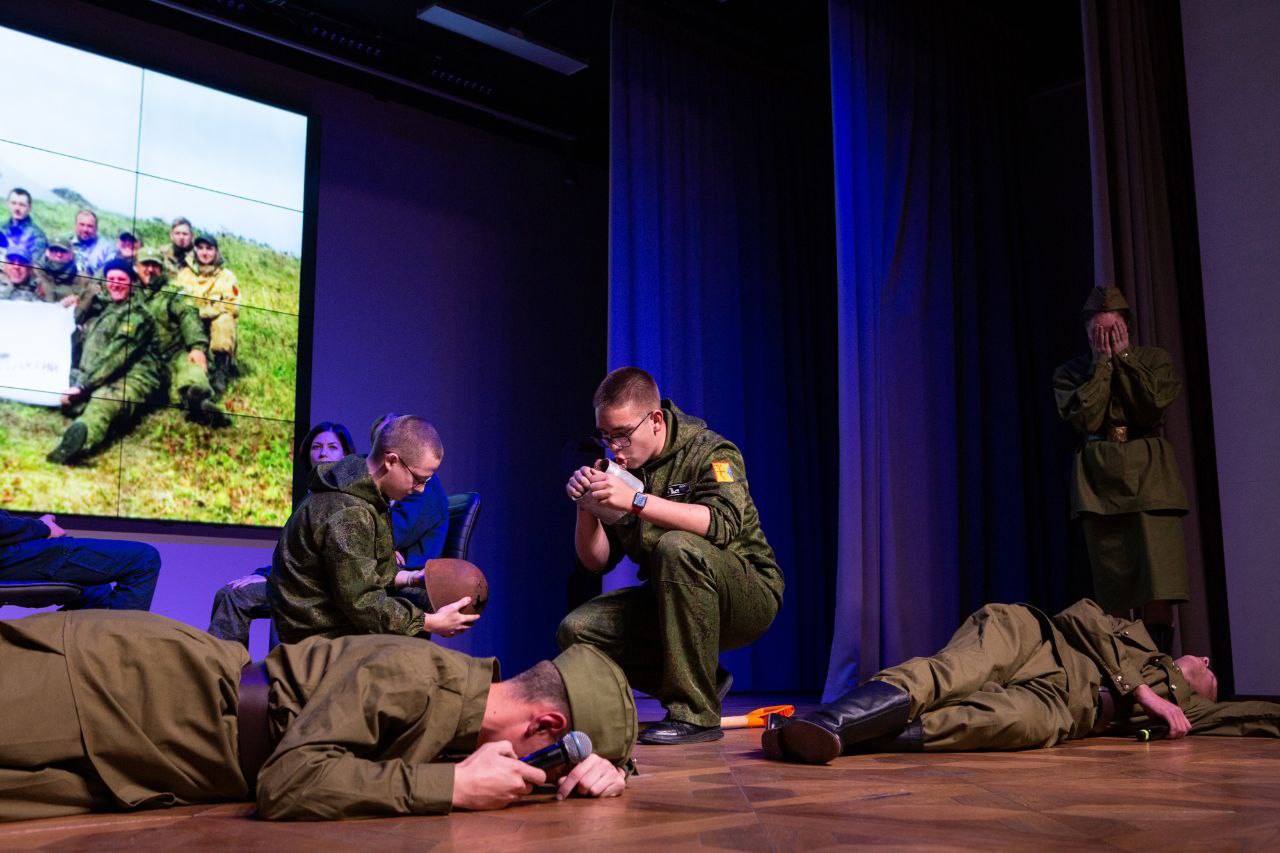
column 251, row 711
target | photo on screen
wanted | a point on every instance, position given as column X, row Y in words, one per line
column 151, row 278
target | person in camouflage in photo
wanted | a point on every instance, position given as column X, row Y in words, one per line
column 180, row 342
column 217, row 297
column 118, row 374
column 334, row 571
column 177, row 255
column 57, row 276
column 16, row 282
column 711, row 581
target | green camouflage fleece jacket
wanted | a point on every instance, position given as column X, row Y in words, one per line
column 334, row 568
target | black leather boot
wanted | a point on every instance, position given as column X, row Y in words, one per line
column 874, row 710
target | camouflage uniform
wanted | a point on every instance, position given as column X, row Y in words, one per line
column 25, row 236
column 178, row 332
column 333, row 571
column 58, row 281
column 217, row 297
column 119, row 374
column 26, row 292
column 175, row 259
column 701, row 594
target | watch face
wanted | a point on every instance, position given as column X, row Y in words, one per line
column 639, row 500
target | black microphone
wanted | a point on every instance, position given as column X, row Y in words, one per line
column 571, row 749
column 1152, row 733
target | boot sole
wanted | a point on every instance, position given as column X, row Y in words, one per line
column 807, row 742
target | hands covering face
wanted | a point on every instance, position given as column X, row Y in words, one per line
column 1108, row 339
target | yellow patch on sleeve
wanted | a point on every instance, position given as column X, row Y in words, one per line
column 723, row 472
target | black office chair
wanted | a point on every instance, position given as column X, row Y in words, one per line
column 39, row 593
column 464, row 509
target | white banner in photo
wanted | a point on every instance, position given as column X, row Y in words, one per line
column 35, row 351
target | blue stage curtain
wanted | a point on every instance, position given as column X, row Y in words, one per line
column 933, row 400
column 720, row 272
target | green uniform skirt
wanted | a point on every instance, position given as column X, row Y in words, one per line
column 1136, row 557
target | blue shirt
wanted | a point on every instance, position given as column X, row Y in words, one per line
column 93, row 255
column 25, row 236
column 420, row 524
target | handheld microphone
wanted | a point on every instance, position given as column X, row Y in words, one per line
column 1152, row 733
column 571, row 749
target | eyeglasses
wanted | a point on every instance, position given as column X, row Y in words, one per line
column 418, row 479
column 617, row 442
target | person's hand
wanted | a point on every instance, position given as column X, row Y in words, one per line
column 492, row 777
column 611, row 492
column 447, row 621
column 54, row 530
column 594, row 777
column 69, row 396
column 1098, row 342
column 199, row 359
column 1167, row 712
column 580, row 482
column 236, row 583
column 69, row 301
column 399, row 559
column 1118, row 339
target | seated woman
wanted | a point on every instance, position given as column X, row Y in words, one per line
column 246, row 598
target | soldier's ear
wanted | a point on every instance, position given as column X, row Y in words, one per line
column 549, row 721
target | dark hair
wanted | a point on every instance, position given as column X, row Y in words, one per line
column 542, row 684
column 627, row 385
column 406, row 436
column 302, row 461
column 181, row 220
column 20, row 191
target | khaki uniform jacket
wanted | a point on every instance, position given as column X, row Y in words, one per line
column 358, row 722
column 1130, row 390
column 55, row 286
column 698, row 466
column 333, row 571
column 1124, row 657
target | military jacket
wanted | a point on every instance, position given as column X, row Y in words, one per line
column 360, row 721
column 697, row 466
column 216, row 289
column 178, row 326
column 117, row 336
column 55, row 286
column 154, row 699
column 174, row 261
column 26, row 292
column 333, row 570
column 1123, row 657
column 1130, row 390
column 357, row 722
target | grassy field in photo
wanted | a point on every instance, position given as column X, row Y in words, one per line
column 167, row 467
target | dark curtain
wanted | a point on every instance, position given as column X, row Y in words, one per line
column 940, row 417
column 721, row 285
column 1145, row 242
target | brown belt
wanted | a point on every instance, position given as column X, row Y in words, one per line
column 1120, row 433
column 255, row 738
column 1106, row 711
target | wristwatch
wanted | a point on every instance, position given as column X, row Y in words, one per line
column 638, row 502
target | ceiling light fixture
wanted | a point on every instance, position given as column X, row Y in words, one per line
column 500, row 39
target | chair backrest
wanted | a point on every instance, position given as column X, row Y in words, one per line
column 39, row 593
column 464, row 509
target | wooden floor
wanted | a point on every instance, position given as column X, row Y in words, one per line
column 1112, row 794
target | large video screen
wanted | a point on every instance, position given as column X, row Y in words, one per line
column 149, row 295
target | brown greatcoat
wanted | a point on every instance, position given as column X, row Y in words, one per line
column 109, row 710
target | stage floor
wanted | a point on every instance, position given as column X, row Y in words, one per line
column 1104, row 793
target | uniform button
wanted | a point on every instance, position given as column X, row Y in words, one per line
column 1173, row 687
column 1126, row 633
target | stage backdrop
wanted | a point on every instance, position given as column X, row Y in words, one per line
column 720, row 285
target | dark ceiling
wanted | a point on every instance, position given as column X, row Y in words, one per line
column 381, row 46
